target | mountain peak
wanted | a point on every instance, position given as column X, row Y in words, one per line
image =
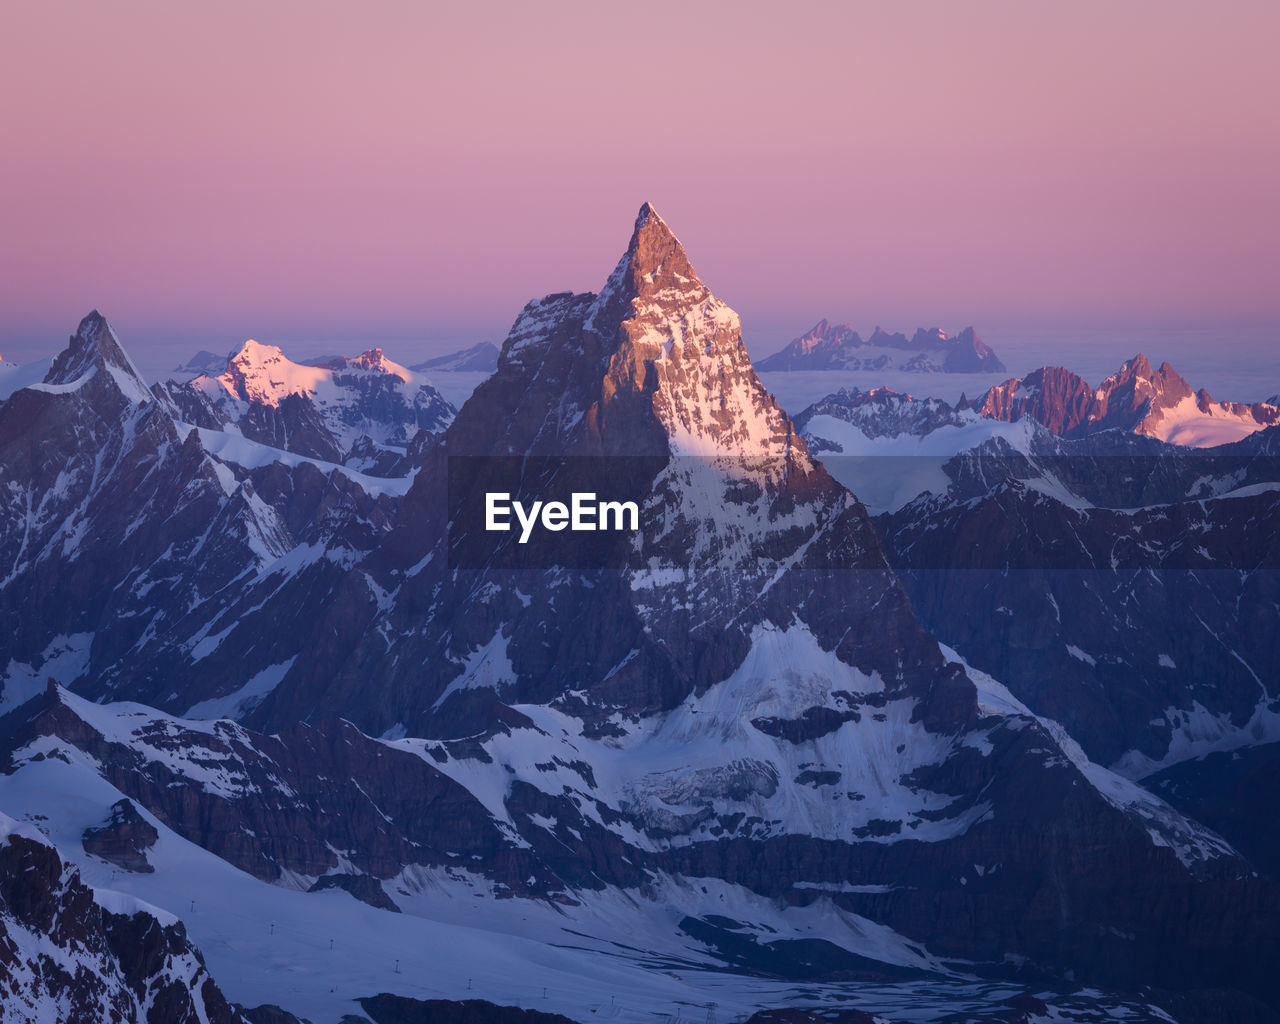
column 654, row 248
column 1138, row 366
column 254, row 353
column 654, row 262
column 653, row 363
column 263, row 375
column 649, row 219
column 93, row 344
column 93, row 348
column 1139, row 377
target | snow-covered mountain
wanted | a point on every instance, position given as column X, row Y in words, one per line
column 829, row 346
column 131, row 544
column 735, row 511
column 453, row 934
column 1137, row 398
column 717, row 760
column 346, row 410
column 1115, row 582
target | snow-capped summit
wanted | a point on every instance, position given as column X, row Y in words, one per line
column 1138, row 388
column 704, row 390
column 262, row 375
column 326, row 412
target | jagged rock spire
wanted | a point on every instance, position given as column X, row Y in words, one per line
column 653, row 363
column 655, row 257
column 654, row 268
column 92, row 349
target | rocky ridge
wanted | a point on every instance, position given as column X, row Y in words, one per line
column 1138, row 398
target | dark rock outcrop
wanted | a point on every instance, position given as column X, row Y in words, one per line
column 365, row 888
column 123, row 839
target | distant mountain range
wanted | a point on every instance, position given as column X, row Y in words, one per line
column 481, row 358
column 205, row 362
column 929, row 350
column 478, row 358
column 1136, row 399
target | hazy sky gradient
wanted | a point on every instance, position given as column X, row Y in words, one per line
column 391, row 170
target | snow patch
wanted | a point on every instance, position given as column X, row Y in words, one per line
column 1185, row 424
column 486, row 668
column 1197, row 731
column 236, row 704
column 235, row 448
column 65, row 660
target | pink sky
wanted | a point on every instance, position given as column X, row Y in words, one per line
column 393, row 170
